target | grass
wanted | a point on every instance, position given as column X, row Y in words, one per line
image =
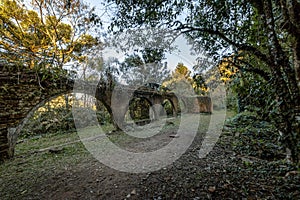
column 19, row 176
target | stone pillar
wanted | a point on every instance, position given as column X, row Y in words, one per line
column 4, row 145
column 157, row 107
column 119, row 105
column 175, row 103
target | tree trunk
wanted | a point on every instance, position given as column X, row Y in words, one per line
column 284, row 80
column 297, row 61
column 288, row 123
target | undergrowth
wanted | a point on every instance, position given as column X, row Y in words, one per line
column 255, row 137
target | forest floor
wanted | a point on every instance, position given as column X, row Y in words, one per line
column 58, row 166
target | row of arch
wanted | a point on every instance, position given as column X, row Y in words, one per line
column 17, row 106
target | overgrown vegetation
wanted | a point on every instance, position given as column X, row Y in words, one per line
column 45, row 35
column 56, row 116
column 255, row 137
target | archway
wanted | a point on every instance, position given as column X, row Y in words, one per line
column 182, row 106
column 169, row 108
column 14, row 132
column 19, row 105
column 52, row 115
column 139, row 111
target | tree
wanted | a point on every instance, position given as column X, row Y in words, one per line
column 265, row 31
column 145, row 68
column 180, row 82
column 48, row 34
column 104, row 73
column 182, row 72
column 199, row 84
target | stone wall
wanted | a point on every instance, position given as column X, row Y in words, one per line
column 198, row 104
column 20, row 91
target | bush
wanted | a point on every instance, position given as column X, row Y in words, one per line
column 61, row 120
column 255, row 137
column 57, row 119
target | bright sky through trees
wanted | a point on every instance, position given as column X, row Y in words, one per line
column 182, row 55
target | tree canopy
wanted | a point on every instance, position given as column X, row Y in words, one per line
column 184, row 84
column 144, row 67
column 48, row 33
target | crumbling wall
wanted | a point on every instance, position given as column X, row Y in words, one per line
column 20, row 91
column 198, row 104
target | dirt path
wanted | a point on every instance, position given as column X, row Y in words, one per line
column 221, row 174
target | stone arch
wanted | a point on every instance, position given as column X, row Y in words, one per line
column 16, row 104
column 183, row 105
column 172, row 106
column 205, row 104
column 146, row 114
column 198, row 104
column 14, row 132
column 174, row 101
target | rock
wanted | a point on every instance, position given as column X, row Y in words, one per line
column 133, row 192
column 212, row 189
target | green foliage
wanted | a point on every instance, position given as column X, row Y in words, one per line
column 139, row 109
column 46, row 35
column 201, row 19
column 183, row 83
column 250, row 30
column 168, row 107
column 181, row 71
column 57, row 117
column 45, row 122
column 180, row 82
column 231, row 102
column 199, row 84
column 255, row 94
column 256, row 137
column 145, row 68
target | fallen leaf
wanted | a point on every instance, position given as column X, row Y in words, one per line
column 212, row 189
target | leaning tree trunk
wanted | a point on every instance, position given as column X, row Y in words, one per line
column 296, row 88
column 297, row 61
column 284, row 77
column 288, row 122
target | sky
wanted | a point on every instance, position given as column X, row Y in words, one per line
column 182, row 55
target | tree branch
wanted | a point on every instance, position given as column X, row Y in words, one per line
column 252, row 69
column 242, row 47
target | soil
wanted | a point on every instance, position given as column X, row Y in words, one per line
column 222, row 174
